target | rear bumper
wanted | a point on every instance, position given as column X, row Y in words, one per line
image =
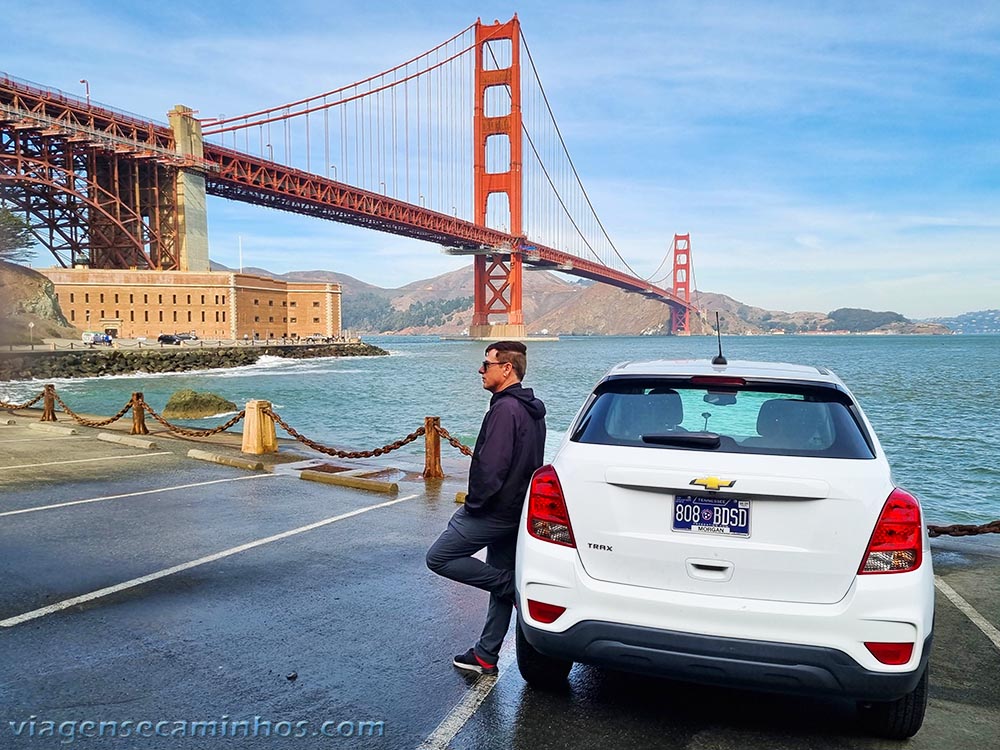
column 729, row 662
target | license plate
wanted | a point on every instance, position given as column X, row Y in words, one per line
column 725, row 516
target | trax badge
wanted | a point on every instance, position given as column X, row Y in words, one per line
column 713, row 483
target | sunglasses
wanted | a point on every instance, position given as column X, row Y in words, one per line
column 486, row 364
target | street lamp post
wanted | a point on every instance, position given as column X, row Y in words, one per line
column 334, row 168
column 31, row 333
column 270, row 151
column 86, row 85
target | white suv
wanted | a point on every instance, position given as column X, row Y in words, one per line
column 731, row 524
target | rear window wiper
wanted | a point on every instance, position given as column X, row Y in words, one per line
column 694, row 439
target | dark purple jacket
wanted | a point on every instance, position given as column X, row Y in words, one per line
column 510, row 446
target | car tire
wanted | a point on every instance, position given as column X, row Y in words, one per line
column 898, row 719
column 537, row 669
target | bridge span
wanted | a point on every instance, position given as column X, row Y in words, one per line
column 107, row 189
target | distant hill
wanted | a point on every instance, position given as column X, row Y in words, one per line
column 556, row 305
column 983, row 321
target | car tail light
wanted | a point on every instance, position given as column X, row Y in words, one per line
column 542, row 612
column 890, row 653
column 897, row 542
column 718, row 380
column 548, row 518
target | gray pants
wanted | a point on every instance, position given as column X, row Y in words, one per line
column 451, row 556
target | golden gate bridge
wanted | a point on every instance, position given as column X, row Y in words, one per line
column 457, row 146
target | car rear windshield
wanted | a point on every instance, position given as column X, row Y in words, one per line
column 780, row 420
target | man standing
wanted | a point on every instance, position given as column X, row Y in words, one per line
column 509, row 448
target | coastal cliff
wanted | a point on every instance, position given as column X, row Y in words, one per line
column 27, row 297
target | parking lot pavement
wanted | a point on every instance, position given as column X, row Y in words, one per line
column 603, row 709
column 192, row 592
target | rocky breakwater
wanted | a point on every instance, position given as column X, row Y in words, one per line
column 85, row 363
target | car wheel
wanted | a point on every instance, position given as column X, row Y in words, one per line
column 898, row 719
column 537, row 669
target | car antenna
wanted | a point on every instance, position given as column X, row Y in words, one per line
column 719, row 360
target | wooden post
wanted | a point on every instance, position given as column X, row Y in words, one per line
column 432, row 449
column 138, row 415
column 258, row 429
column 49, row 410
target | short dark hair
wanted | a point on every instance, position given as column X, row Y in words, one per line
column 511, row 351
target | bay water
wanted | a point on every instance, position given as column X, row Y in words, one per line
column 933, row 400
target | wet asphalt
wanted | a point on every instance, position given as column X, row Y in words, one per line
column 332, row 629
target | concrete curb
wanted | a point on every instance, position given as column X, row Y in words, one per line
column 239, row 463
column 49, row 427
column 132, row 442
column 358, row 483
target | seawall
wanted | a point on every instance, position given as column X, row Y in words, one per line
column 24, row 365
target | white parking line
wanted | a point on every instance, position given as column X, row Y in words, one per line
column 132, row 494
column 969, row 611
column 464, row 710
column 84, row 460
column 66, row 603
column 38, row 440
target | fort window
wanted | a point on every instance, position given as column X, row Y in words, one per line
column 293, row 320
column 72, row 314
column 175, row 316
column 189, row 299
column 271, row 319
column 131, row 316
column 86, row 297
column 223, row 299
column 256, row 301
column 159, row 298
column 223, row 316
column 145, row 299
column 189, row 316
column 145, row 315
column 175, row 299
column 270, row 303
column 116, row 300
column 291, row 304
column 71, row 296
column 256, row 319
column 161, row 316
column 315, row 320
column 315, row 304
column 203, row 299
column 216, row 316
column 102, row 300
column 131, row 299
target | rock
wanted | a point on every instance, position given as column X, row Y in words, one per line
column 188, row 404
column 26, row 296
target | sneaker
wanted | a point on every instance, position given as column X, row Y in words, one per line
column 472, row 663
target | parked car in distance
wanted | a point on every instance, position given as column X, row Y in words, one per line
column 186, row 336
column 168, row 338
column 733, row 524
column 96, row 337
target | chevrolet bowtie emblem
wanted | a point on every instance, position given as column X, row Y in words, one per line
column 713, row 483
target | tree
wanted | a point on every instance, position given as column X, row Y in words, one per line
column 16, row 241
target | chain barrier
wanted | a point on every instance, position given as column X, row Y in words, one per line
column 964, row 529
column 90, row 422
column 193, row 433
column 466, row 450
column 25, row 405
column 933, row 531
column 343, row 454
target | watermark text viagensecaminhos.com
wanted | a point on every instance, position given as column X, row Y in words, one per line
column 68, row 731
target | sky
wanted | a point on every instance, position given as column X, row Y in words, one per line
column 820, row 154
